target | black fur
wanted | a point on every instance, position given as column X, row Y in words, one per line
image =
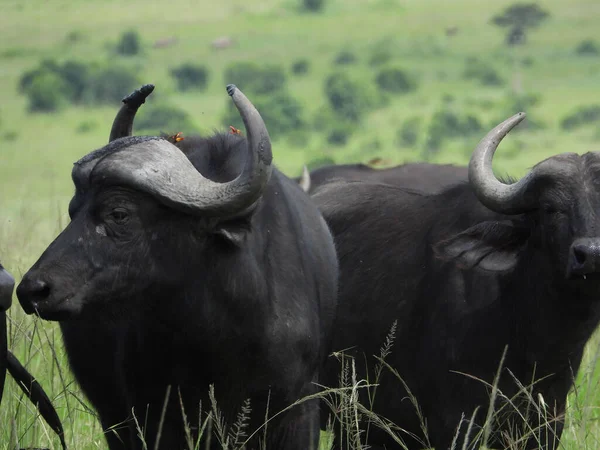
column 463, row 282
column 166, row 298
column 420, row 176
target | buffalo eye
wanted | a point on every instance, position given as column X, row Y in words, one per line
column 551, row 209
column 120, row 216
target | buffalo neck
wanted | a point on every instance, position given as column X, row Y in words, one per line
column 554, row 317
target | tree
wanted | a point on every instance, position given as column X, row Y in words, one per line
column 313, row 5
column 190, row 76
column 129, row 44
column 520, row 18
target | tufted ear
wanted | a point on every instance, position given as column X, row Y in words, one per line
column 492, row 246
column 233, row 232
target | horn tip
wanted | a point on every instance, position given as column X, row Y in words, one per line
column 305, row 181
column 518, row 118
column 231, row 88
column 515, row 120
column 138, row 97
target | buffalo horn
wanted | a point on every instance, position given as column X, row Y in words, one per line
column 123, row 124
column 162, row 170
column 37, row 395
column 496, row 195
column 305, row 179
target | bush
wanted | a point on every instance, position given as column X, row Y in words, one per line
column 110, row 84
column 46, row 66
column 408, row 133
column 51, row 85
column 338, row 135
column 74, row 36
column 11, row 136
column 348, row 99
column 74, row 75
column 129, row 44
column 587, row 48
column 344, row 57
column 300, row 67
column 156, row 118
column 253, row 78
column 482, row 72
column 584, row 115
column 528, row 61
column 47, row 93
column 380, row 56
column 86, row 126
column 394, row 80
column 448, row 98
column 446, row 124
column 15, row 52
column 281, row 112
column 77, row 77
column 190, row 76
column 313, row 5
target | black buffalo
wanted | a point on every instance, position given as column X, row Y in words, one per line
column 420, row 176
column 8, row 362
column 188, row 264
column 467, row 272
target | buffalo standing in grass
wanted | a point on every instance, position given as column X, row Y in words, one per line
column 188, row 265
column 8, row 362
column 467, row 272
column 420, row 176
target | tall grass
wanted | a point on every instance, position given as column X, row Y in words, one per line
column 350, row 404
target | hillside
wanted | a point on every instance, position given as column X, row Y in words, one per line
column 450, row 77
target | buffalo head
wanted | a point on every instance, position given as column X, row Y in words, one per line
column 140, row 213
column 553, row 211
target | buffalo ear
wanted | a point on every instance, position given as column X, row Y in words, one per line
column 232, row 232
column 492, row 246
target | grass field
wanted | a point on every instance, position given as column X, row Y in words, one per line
column 37, row 149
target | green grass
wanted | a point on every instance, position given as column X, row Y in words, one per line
column 35, row 165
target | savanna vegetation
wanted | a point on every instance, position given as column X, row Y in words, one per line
column 336, row 81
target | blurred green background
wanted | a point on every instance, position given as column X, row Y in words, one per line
column 380, row 81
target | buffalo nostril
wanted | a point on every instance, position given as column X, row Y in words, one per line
column 36, row 290
column 580, row 256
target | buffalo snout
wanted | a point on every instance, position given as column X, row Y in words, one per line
column 33, row 293
column 7, row 283
column 584, row 257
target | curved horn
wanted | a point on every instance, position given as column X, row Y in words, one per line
column 305, row 180
column 499, row 197
column 123, row 124
column 257, row 169
column 155, row 166
column 32, row 389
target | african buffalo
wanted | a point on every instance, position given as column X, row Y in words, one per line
column 465, row 273
column 421, row 176
column 190, row 263
column 8, row 362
